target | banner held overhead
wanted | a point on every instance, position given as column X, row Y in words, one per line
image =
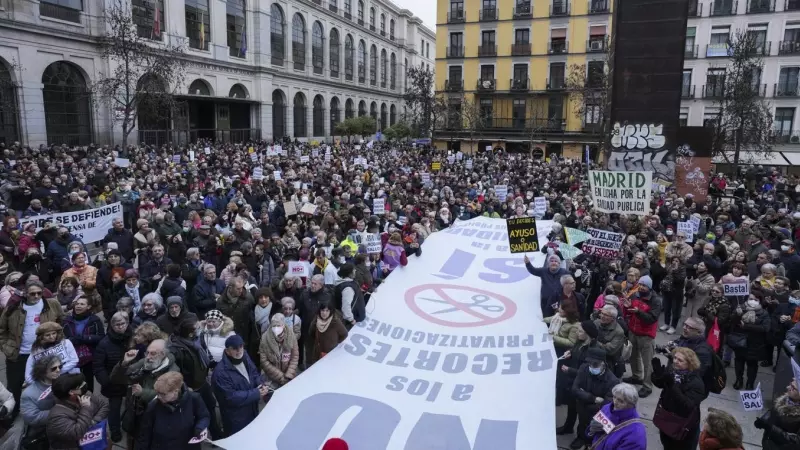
column 621, row 192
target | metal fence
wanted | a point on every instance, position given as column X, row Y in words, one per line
column 183, row 137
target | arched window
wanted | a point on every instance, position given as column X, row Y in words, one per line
column 362, row 62
column 384, row 63
column 383, row 25
column 238, row 91
column 237, row 30
column 391, row 29
column 392, row 115
column 373, row 65
column 384, row 116
column 277, row 38
column 393, row 73
column 299, row 42
column 348, row 58
column 362, row 108
column 336, row 113
column 372, row 18
column 319, row 116
column 373, row 111
column 67, row 111
column 299, row 115
column 317, row 48
column 199, row 87
column 360, row 12
column 278, row 115
column 334, row 53
column 9, row 111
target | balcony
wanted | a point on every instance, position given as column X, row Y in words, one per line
column 786, row 89
column 333, row 7
column 486, row 85
column 454, row 52
column 486, row 15
column 792, row 5
column 598, row 6
column 596, row 44
column 687, row 91
column 763, row 48
column 487, row 50
column 372, row 28
column 788, row 47
column 558, row 9
column 759, row 90
column 695, row 9
column 383, row 33
column 335, row 73
column 523, row 11
column 760, row 6
column 348, row 16
column 556, row 84
column 713, row 91
column 453, row 85
column 786, row 137
column 456, row 16
column 691, row 52
column 59, row 12
column 557, row 47
column 719, row 50
column 519, row 84
column 361, row 22
column 521, row 49
column 723, row 8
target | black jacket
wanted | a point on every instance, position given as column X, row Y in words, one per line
column 756, row 334
column 682, row 398
column 587, row 387
column 783, row 426
column 169, row 324
column 124, row 241
column 108, row 353
column 168, row 427
column 192, row 367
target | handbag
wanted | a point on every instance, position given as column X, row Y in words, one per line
column 35, row 439
column 673, row 425
column 736, row 341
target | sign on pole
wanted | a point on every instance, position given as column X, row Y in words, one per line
column 298, row 269
column 621, row 192
column 522, row 234
column 736, row 289
column 373, row 243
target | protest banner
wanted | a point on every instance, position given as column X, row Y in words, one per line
column 88, row 226
column 522, row 234
column 479, row 316
column 575, row 236
column 688, row 229
column 290, row 209
column 502, row 192
column 539, row 206
column 426, row 178
column 752, row 400
column 122, row 162
column 277, row 175
column 297, row 269
column 378, row 206
column 436, row 166
column 258, row 173
column 373, row 242
column 604, row 244
column 621, row 192
column 468, row 164
column 739, row 288
column 488, row 148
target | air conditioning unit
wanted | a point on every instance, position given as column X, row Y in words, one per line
column 596, row 45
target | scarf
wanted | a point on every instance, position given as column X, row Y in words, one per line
column 322, row 325
column 751, row 314
column 133, row 293
column 262, row 316
column 680, row 375
column 713, row 305
column 555, row 324
column 767, row 283
column 321, row 267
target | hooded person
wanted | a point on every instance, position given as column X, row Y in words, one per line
column 238, row 386
column 176, row 313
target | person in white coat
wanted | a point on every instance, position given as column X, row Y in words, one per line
column 50, row 341
column 213, row 333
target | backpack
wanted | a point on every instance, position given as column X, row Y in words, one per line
column 715, row 377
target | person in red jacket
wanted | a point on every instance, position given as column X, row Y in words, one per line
column 641, row 312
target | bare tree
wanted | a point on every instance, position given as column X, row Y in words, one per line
column 744, row 118
column 145, row 73
column 540, row 124
column 472, row 119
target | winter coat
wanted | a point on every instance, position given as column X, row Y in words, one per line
column 238, row 397
column 58, row 250
column 644, row 322
column 166, row 427
column 240, row 310
column 142, row 317
column 756, row 335
column 702, row 288
column 67, row 422
column 109, row 353
column 318, row 343
column 169, row 324
column 279, row 359
column 172, row 287
column 783, row 426
column 135, row 373
column 587, row 387
column 551, row 283
column 12, row 324
column 701, row 348
column 86, row 342
column 682, row 250
column 567, row 334
column 611, row 339
column 682, row 398
column 35, row 404
column 189, row 361
column 214, row 341
column 632, row 437
column 204, row 296
column 124, row 241
column 63, row 349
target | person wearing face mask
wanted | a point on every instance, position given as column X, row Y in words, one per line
column 718, row 309
column 791, row 261
column 682, row 392
column 238, row 385
column 279, row 352
column 75, row 412
column 591, row 389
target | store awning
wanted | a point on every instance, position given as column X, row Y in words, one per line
column 755, row 159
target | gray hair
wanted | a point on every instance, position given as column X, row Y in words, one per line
column 154, row 298
column 626, row 393
column 611, row 299
column 769, row 267
column 696, row 323
column 611, row 310
column 158, row 246
column 566, row 278
column 192, row 252
column 286, row 301
column 318, row 277
column 30, row 283
column 119, row 316
column 124, row 302
column 209, row 266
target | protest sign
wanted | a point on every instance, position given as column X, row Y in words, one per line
column 122, row 162
column 568, row 251
column 373, row 242
column 621, row 192
column 603, row 420
column 688, row 229
column 296, row 185
column 258, row 173
column 308, row 208
column 207, row 150
column 695, row 224
column 191, row 155
column 751, row 400
column 468, row 164
column 378, row 206
column 436, row 166
column 254, row 157
column 315, row 152
column 426, row 178
column 502, row 192
column 277, row 149
column 297, row 269
column 484, row 317
column 604, row 244
column 737, row 288
column 488, row 148
column 539, row 206
column 327, row 157
column 88, row 226
column 304, row 159
column 459, row 156
column 451, row 159
column 575, row 236
column 277, row 175
column 290, row 209
column 176, row 159
column 522, row 234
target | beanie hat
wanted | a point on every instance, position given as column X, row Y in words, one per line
column 174, row 300
column 335, row 444
column 590, row 329
column 131, row 273
column 215, row 314
column 646, row 281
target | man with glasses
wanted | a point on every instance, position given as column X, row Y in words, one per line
column 18, row 325
column 611, row 338
column 206, row 292
column 693, row 337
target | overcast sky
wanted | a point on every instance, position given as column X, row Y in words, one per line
column 424, row 9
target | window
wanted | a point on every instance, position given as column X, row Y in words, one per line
column 456, row 13
column 686, row 84
column 487, row 47
column 299, row 115
column 349, row 110
column 68, row 10
column 488, row 10
column 198, row 23
column 718, row 45
column 348, row 58
column 334, row 54
column 333, row 6
column 373, row 66
column 710, row 117
column 372, row 19
column 384, row 116
column 237, row 31
column 383, row 25
column 595, row 71
column 520, row 77
column 759, row 35
column 518, row 114
column 405, row 78
column 299, row 42
column 558, row 40
column 556, row 76
column 9, row 112
column 348, row 9
column 593, row 111
column 555, row 110
column 384, row 67
column 791, row 38
column 317, row 48
column 487, row 77
column 456, row 48
column 335, row 113
column 67, row 111
column 143, row 13
column 486, row 112
column 276, row 35
column 784, row 121
column 522, row 36
column 278, row 114
column 683, row 118
column 788, row 82
column 454, row 78
column 362, row 61
column 715, row 83
column 690, row 42
column 362, row 108
column 373, row 111
column 391, row 29
column 427, row 49
column 392, row 115
column 360, row 12
column 318, row 116
column 597, row 38
column 393, row 72
column 755, row 81
column 722, row 8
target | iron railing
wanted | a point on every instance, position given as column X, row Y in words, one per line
column 715, row 90
column 687, row 91
column 523, row 11
column 487, row 14
column 786, row 89
column 559, row 8
column 556, row 84
column 596, row 45
column 695, row 9
column 519, row 84
column 723, row 8
column 690, row 52
column 487, row 84
column 521, row 49
column 598, row 6
column 760, row 6
column 454, row 52
column 456, row 16
column 453, row 85
column 788, row 47
column 487, row 50
column 556, row 47
column 179, row 137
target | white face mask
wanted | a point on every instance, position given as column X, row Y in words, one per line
column 277, row 331
column 785, row 248
column 368, row 263
column 342, row 260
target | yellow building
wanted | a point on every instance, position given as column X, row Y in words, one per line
column 502, row 68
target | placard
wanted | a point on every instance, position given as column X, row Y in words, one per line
column 451, row 159
column 522, row 234
column 308, row 208
column 604, row 244
column 373, row 242
column 736, row 289
column 176, row 159
column 207, row 150
column 426, row 178
column 603, row 420
column 459, row 156
column 297, row 269
column 502, row 192
column 751, row 400
column 258, row 173
column 191, row 155
column 621, row 192
column 296, row 185
column 695, row 223
column 468, row 165
column 290, row 209
column 327, row 157
column 122, row 162
column 436, row 165
column 315, row 152
column 378, row 206
column 688, row 230
column 254, row 157
column 304, row 159
column 88, row 225
column 539, row 206
column 488, row 148
column 277, row 175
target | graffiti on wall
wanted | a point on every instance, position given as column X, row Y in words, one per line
column 636, row 147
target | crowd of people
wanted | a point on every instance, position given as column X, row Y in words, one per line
column 187, row 317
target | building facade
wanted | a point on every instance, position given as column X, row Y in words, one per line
column 510, row 62
column 775, row 25
column 253, row 69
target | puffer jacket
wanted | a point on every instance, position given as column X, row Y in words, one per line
column 682, row 398
column 238, row 396
column 631, row 437
column 279, row 358
column 783, row 426
column 567, row 334
column 67, row 422
column 12, row 324
column 214, row 340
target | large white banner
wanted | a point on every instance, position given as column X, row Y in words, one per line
column 89, row 226
column 453, row 354
column 621, row 192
